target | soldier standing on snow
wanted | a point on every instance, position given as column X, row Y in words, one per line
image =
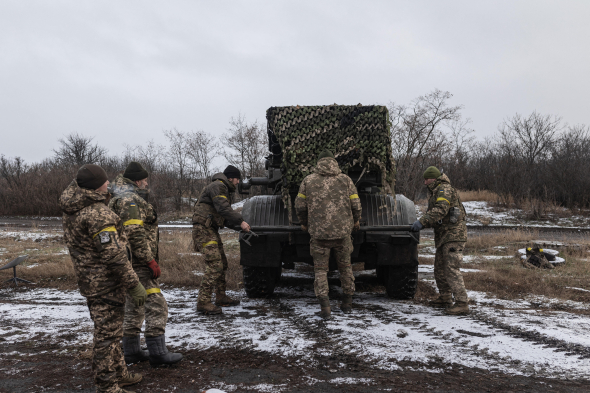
column 329, row 207
column 212, row 212
column 446, row 215
column 97, row 247
column 140, row 224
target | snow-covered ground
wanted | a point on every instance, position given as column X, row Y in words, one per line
column 518, row 338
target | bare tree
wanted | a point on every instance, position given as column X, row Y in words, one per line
column 421, row 136
column 77, row 149
column 12, row 170
column 202, row 148
column 149, row 156
column 245, row 146
column 181, row 168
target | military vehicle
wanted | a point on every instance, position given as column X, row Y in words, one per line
column 360, row 139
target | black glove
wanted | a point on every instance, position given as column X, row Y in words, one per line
column 417, row 226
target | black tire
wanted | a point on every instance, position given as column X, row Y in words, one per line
column 402, row 281
column 278, row 272
column 382, row 274
column 260, row 281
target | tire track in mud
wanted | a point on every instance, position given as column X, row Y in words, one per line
column 570, row 349
column 387, row 316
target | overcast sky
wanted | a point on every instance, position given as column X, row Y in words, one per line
column 123, row 71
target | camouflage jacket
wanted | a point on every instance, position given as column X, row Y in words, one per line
column 140, row 221
column 97, row 246
column 215, row 203
column 445, row 213
column 328, row 203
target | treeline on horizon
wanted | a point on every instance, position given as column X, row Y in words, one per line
column 535, row 157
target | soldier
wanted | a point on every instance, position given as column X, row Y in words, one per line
column 140, row 224
column 446, row 215
column 212, row 212
column 98, row 250
column 329, row 207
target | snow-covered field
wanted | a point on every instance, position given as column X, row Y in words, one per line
column 518, row 338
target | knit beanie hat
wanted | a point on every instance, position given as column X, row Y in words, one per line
column 231, row 172
column 135, row 171
column 325, row 153
column 91, row 176
column 431, row 173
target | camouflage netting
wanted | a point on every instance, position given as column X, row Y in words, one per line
column 355, row 134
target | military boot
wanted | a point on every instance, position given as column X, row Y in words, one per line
column 159, row 354
column 325, row 311
column 208, row 308
column 346, row 305
column 222, row 300
column 133, row 351
column 126, row 391
column 459, row 308
column 131, row 379
column 443, row 300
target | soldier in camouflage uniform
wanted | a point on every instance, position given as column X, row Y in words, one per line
column 329, row 208
column 140, row 224
column 446, row 215
column 212, row 212
column 98, row 248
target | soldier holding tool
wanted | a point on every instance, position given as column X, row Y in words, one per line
column 212, row 212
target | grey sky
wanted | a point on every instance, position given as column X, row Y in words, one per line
column 125, row 71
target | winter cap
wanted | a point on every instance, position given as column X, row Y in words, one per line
column 325, row 153
column 231, row 172
column 91, row 176
column 431, row 173
column 135, row 171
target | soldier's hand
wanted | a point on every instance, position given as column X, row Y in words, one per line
column 416, row 226
column 245, row 227
column 138, row 294
column 356, row 226
column 304, row 228
column 155, row 268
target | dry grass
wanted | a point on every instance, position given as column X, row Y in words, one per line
column 479, row 195
column 507, row 279
column 47, row 266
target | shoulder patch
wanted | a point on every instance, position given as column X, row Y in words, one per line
column 105, row 237
column 133, row 212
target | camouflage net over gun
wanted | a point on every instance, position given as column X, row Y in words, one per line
column 355, row 134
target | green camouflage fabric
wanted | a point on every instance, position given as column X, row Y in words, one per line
column 320, row 251
column 447, row 270
column 140, row 221
column 357, row 135
column 444, row 198
column 97, row 246
column 328, row 203
column 207, row 241
column 214, row 205
column 154, row 311
column 108, row 362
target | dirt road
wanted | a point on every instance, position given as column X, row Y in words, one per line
column 281, row 345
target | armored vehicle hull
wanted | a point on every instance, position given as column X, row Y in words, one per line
column 384, row 243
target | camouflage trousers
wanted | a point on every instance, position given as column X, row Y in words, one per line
column 320, row 251
column 447, row 270
column 108, row 364
column 208, row 242
column 154, row 311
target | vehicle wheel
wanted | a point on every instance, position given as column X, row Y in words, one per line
column 260, row 281
column 278, row 272
column 382, row 274
column 402, row 281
